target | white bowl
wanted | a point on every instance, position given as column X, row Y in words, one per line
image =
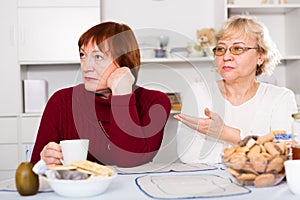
column 292, row 175
column 80, row 188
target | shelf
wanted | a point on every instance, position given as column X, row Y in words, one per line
column 49, row 62
column 148, row 60
column 57, row 3
column 262, row 9
column 31, row 114
column 291, row 57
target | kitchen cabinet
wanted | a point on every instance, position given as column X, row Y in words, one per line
column 9, row 160
column 9, row 130
column 47, row 50
column 282, row 22
column 39, row 41
column 48, row 37
column 56, row 75
column 10, row 89
column 29, row 128
column 10, row 73
column 49, row 30
column 9, row 151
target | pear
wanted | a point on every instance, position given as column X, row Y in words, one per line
column 27, row 182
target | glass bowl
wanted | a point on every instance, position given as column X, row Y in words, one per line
column 257, row 170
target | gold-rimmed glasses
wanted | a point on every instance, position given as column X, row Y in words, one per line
column 234, row 49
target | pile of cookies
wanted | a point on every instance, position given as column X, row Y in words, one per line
column 257, row 160
column 93, row 168
column 80, row 170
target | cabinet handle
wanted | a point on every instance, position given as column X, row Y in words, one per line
column 21, row 35
column 13, row 35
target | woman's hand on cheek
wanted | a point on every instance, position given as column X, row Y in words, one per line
column 120, row 81
column 51, row 154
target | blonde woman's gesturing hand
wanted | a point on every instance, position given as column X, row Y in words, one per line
column 212, row 125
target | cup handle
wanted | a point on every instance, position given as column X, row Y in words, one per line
column 62, row 161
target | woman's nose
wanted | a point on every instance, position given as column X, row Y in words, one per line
column 227, row 55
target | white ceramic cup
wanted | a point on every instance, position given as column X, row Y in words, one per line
column 74, row 150
column 292, row 175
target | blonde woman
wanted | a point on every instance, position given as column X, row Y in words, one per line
column 244, row 50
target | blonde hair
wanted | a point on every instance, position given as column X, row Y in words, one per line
column 241, row 25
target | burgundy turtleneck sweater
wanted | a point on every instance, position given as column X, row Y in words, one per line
column 125, row 130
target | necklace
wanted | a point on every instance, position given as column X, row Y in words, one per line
column 100, row 123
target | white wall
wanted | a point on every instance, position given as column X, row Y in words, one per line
column 183, row 17
column 174, row 77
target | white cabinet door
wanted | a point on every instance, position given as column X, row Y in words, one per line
column 9, row 156
column 8, row 130
column 10, row 75
column 29, row 127
column 7, row 174
column 9, row 150
column 49, row 34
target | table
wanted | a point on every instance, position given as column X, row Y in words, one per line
column 124, row 187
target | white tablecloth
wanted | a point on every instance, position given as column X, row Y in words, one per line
column 124, row 187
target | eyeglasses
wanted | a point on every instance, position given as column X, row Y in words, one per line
column 235, row 50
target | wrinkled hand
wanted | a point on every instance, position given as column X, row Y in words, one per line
column 212, row 125
column 51, row 154
column 120, row 81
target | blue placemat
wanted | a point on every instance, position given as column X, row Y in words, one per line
column 188, row 186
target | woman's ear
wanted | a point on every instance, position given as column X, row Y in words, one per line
column 260, row 59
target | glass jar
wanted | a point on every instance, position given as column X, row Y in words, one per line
column 281, row 136
column 296, row 136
